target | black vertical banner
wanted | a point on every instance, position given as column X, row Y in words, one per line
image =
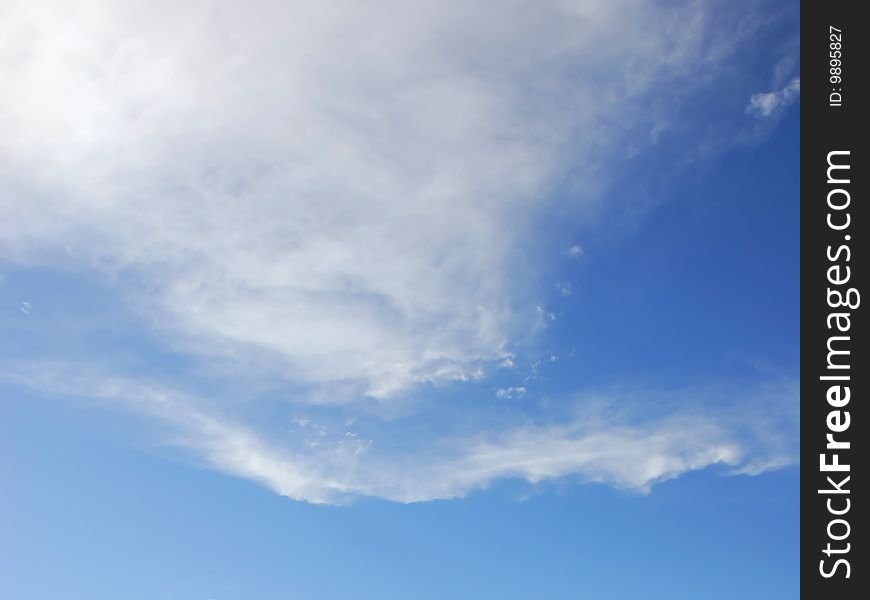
column 835, row 373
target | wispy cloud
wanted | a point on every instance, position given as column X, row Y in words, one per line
column 609, row 440
column 510, row 392
column 340, row 196
column 769, row 104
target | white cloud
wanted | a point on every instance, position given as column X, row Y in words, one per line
column 339, row 194
column 769, row 104
column 338, row 190
column 510, row 392
column 604, row 443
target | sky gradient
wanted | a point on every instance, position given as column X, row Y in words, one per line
column 400, row 300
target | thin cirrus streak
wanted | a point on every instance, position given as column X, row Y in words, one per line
column 753, row 435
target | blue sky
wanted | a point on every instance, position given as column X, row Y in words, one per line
column 400, row 300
